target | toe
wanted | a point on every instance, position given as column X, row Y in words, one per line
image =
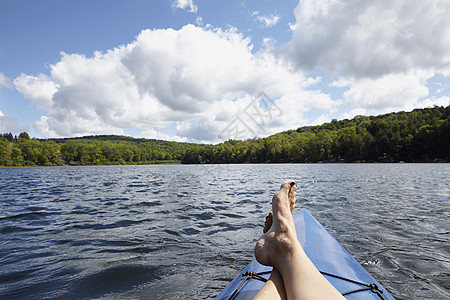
column 288, row 185
column 268, row 222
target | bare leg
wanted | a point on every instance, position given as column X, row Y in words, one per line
column 273, row 289
column 280, row 248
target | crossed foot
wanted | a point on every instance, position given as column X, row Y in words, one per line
column 279, row 227
column 291, row 197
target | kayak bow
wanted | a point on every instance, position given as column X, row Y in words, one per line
column 330, row 257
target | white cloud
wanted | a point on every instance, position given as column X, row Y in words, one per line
column 321, row 120
column 340, row 82
column 9, row 123
column 204, row 131
column 200, row 78
column 153, row 134
column 39, row 89
column 383, row 52
column 185, row 4
column 371, row 38
column 267, row 20
column 199, row 21
column 431, row 102
column 389, row 93
column 353, row 113
column 5, row 82
column 312, row 81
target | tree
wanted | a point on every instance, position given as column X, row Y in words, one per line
column 24, row 135
column 5, row 152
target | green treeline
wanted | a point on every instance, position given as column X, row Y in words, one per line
column 96, row 150
column 422, row 135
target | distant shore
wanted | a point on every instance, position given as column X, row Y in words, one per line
column 422, row 135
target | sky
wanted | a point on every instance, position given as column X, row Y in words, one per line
column 206, row 71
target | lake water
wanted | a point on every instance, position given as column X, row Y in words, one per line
column 185, row 231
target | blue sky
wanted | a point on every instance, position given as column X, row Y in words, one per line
column 205, row 71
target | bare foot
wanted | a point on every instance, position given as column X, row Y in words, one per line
column 279, row 238
column 280, row 248
column 291, row 196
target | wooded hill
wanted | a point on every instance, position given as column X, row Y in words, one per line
column 422, row 135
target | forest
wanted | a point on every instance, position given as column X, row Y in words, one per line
column 422, row 135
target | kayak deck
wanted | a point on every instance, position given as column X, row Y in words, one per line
column 330, row 257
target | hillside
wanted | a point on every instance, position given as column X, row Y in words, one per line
column 422, row 135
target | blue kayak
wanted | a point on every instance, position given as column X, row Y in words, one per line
column 337, row 265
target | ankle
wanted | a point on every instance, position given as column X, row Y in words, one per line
column 288, row 243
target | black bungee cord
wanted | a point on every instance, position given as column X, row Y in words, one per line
column 366, row 287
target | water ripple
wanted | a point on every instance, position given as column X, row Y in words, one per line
column 159, row 232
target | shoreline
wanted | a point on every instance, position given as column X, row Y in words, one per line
column 247, row 163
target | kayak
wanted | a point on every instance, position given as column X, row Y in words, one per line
column 330, row 257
